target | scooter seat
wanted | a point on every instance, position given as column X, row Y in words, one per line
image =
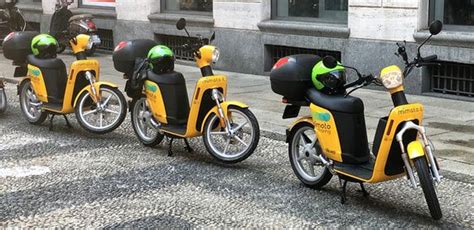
column 337, row 103
column 54, row 76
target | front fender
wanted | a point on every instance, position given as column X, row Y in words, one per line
column 225, row 106
column 415, row 149
column 97, row 86
column 306, row 119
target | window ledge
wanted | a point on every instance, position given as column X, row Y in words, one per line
column 98, row 13
column 305, row 28
column 195, row 20
column 447, row 38
column 31, row 7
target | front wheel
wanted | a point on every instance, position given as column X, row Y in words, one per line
column 427, row 184
column 238, row 143
column 3, row 99
column 102, row 117
column 305, row 152
column 142, row 117
column 30, row 104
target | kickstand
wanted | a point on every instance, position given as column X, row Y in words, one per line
column 67, row 121
column 51, row 122
column 362, row 189
column 343, row 192
column 170, row 150
column 188, row 147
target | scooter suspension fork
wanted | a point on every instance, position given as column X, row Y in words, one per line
column 90, row 77
column 217, row 97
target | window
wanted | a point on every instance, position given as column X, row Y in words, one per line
column 330, row 11
column 188, row 5
column 453, row 12
column 98, row 3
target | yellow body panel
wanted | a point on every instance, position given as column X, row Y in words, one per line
column 398, row 115
column 206, row 56
column 76, row 67
column 155, row 100
column 80, row 43
column 415, row 149
column 37, row 82
column 326, row 130
column 203, row 84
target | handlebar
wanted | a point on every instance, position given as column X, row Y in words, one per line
column 365, row 80
column 430, row 58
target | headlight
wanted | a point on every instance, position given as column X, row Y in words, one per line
column 391, row 77
column 215, row 55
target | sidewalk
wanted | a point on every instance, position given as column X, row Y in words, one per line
column 450, row 123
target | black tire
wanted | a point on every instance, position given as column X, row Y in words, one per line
column 255, row 137
column 122, row 113
column 149, row 142
column 427, row 184
column 31, row 118
column 3, row 100
column 306, row 179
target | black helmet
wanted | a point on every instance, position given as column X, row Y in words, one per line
column 328, row 80
column 161, row 59
column 44, row 46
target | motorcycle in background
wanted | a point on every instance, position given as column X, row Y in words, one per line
column 3, row 98
column 66, row 25
column 11, row 18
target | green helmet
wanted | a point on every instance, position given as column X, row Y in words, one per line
column 328, row 80
column 44, row 46
column 161, row 59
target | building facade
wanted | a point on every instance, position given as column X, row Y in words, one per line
column 253, row 34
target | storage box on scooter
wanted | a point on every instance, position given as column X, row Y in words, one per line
column 17, row 45
column 127, row 52
column 291, row 75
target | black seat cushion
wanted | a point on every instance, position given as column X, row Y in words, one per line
column 54, row 75
column 175, row 96
column 337, row 103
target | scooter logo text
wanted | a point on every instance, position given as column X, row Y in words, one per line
column 325, row 117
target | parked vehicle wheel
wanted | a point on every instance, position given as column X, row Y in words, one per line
column 141, row 122
column 3, row 99
column 427, row 184
column 17, row 22
column 237, row 145
column 107, row 117
column 30, row 105
column 304, row 157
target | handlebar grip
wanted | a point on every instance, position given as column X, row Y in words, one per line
column 430, row 58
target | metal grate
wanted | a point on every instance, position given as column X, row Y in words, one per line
column 106, row 38
column 277, row 52
column 175, row 43
column 33, row 26
column 453, row 78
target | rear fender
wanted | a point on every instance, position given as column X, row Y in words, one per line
column 301, row 120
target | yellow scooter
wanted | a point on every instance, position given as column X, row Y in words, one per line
column 47, row 88
column 333, row 140
column 160, row 105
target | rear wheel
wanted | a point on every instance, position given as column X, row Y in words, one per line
column 104, row 118
column 141, row 122
column 427, row 184
column 237, row 145
column 30, row 105
column 3, row 99
column 304, row 157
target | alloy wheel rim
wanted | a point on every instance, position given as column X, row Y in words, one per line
column 101, row 113
column 142, row 116
column 305, row 156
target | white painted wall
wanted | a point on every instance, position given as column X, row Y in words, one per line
column 384, row 19
column 241, row 14
column 136, row 10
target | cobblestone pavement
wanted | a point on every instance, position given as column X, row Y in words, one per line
column 111, row 181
